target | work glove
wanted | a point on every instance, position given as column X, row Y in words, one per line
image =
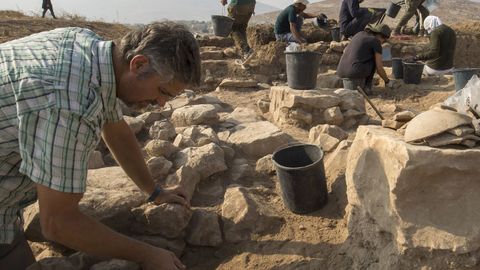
column 372, row 11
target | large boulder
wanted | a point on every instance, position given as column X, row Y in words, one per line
column 257, row 139
column 203, row 114
column 109, row 197
column 424, row 197
column 243, row 215
column 206, row 160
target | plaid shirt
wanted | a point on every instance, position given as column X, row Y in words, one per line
column 57, row 90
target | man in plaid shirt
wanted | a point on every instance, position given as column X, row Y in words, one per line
column 59, row 93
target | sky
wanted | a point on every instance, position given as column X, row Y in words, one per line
column 138, row 11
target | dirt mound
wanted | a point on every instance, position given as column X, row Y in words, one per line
column 468, row 28
column 269, row 59
column 260, row 34
column 15, row 25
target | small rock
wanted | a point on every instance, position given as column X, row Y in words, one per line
column 150, row 118
column 263, row 105
column 162, row 130
column 333, row 116
column 159, row 167
column 135, row 124
column 196, row 136
column 301, row 115
column 185, row 177
column 204, row 229
column 265, row 165
column 206, row 160
column 242, row 115
column 202, row 114
column 96, row 160
column 404, row 116
column 233, row 83
column 387, row 123
column 326, row 136
column 301, row 227
column 158, row 148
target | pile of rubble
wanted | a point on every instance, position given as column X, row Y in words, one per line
column 195, row 143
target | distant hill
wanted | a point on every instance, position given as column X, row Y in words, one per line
column 450, row 11
column 182, row 10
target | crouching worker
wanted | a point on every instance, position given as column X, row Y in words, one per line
column 289, row 22
column 439, row 57
column 363, row 56
column 60, row 92
column 352, row 18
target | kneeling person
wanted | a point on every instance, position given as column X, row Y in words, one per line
column 442, row 47
column 289, row 22
column 363, row 56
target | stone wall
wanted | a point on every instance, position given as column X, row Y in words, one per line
column 308, row 108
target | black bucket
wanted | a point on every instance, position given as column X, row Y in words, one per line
column 463, row 75
column 412, row 72
column 397, row 68
column 302, row 177
column 353, row 84
column 302, row 69
column 222, row 25
column 335, row 31
column 393, row 10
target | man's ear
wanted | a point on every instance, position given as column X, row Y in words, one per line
column 139, row 63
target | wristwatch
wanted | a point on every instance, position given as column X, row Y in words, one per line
column 158, row 189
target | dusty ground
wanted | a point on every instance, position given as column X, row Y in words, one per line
column 312, row 241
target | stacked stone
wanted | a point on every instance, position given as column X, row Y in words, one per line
column 309, row 108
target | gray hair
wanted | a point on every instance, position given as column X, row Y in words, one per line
column 171, row 49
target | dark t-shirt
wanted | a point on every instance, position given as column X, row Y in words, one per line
column 358, row 59
column 241, row 2
column 287, row 16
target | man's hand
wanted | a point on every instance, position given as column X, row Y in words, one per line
column 161, row 259
column 223, row 2
column 174, row 194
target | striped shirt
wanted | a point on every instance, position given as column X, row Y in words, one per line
column 57, row 90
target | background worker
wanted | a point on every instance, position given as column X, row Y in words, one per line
column 241, row 11
column 60, row 95
column 47, row 5
column 289, row 22
column 363, row 56
column 352, row 18
column 441, row 51
column 412, row 7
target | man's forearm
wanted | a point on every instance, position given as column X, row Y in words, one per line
column 122, row 143
column 81, row 232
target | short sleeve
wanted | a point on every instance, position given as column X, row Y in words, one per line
column 377, row 46
column 292, row 16
column 55, row 146
column 114, row 113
